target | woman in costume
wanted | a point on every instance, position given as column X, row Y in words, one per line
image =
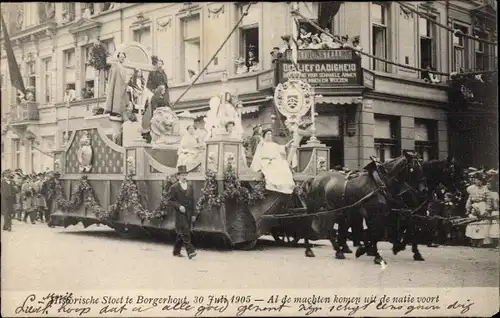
column 270, row 159
column 136, row 86
column 190, row 149
column 157, row 78
column 116, row 96
column 476, row 208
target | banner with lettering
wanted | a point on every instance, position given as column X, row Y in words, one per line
column 324, row 68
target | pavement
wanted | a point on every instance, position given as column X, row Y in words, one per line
column 36, row 257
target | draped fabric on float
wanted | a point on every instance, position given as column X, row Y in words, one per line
column 116, row 95
column 327, row 10
column 15, row 74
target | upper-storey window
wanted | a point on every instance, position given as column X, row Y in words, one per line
column 190, row 46
column 380, row 34
column 482, row 51
column 426, row 139
column 46, row 11
column 249, row 46
column 68, row 13
column 428, row 43
column 459, row 48
column 47, row 85
column 387, row 137
column 69, row 72
column 143, row 36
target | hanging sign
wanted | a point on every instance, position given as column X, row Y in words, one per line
column 324, row 68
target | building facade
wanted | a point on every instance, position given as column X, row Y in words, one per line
column 389, row 109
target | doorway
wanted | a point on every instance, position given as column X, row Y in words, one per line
column 336, row 150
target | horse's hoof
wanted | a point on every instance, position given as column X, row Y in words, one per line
column 379, row 260
column 310, row 253
column 418, row 257
column 360, row 251
column 370, row 253
column 347, row 250
column 397, row 249
column 339, row 255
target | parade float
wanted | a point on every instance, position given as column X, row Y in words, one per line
column 124, row 186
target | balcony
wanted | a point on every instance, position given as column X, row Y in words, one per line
column 24, row 113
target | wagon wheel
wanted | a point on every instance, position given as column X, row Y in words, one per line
column 284, row 238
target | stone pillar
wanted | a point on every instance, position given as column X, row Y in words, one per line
column 366, row 131
column 352, row 142
column 78, row 70
column 310, row 156
column 443, row 139
column 407, row 133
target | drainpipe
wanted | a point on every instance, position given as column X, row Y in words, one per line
column 450, row 54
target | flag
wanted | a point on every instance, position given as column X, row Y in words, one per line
column 326, row 11
column 15, row 74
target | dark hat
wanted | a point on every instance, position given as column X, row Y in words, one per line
column 345, row 37
column 256, row 127
column 355, row 39
column 57, row 173
column 181, row 169
column 264, row 131
column 285, row 37
column 276, row 48
column 229, row 122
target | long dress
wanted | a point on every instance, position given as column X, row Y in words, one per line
column 492, row 206
column 156, row 78
column 270, row 159
column 189, row 152
column 476, row 206
column 116, row 95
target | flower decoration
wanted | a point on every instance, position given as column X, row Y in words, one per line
column 321, row 164
column 98, row 57
column 212, row 161
column 129, row 199
column 229, row 159
column 83, row 194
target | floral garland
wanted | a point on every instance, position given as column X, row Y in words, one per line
column 98, row 57
column 128, row 197
column 208, row 193
column 159, row 213
column 83, row 194
column 233, row 191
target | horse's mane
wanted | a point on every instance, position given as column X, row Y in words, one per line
column 435, row 165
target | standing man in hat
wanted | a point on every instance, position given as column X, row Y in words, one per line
column 180, row 198
column 8, row 199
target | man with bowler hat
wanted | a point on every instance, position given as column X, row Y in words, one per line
column 180, row 198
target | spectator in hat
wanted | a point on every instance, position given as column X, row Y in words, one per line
column 316, row 42
column 286, row 43
column 241, row 68
column 27, row 199
column 275, row 54
column 254, row 142
column 180, row 198
column 476, row 208
column 8, row 199
column 303, row 34
column 255, row 66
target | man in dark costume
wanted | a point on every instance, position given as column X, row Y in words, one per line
column 8, row 199
column 180, row 198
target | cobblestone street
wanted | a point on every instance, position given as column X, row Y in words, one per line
column 35, row 257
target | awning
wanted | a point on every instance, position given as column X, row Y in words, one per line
column 338, row 100
column 244, row 110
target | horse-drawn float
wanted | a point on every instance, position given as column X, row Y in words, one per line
column 125, row 186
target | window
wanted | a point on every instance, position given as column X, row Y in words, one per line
column 387, row 137
column 46, row 80
column 69, row 11
column 249, row 45
column 89, row 74
column 428, row 39
column 105, row 6
column 143, row 36
column 32, row 78
column 380, row 23
column 459, row 48
column 426, row 139
column 89, row 6
column 69, row 69
column 481, row 51
column 103, row 76
column 17, row 154
column 191, row 45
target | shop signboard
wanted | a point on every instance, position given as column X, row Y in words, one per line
column 324, row 68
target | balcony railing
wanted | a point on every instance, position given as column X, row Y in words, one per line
column 26, row 111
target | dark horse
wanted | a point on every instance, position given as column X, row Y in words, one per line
column 445, row 175
column 366, row 196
